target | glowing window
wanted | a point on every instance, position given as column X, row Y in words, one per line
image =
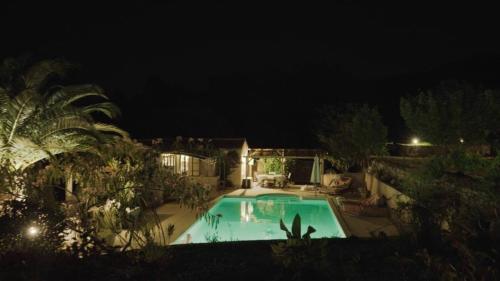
column 168, row 160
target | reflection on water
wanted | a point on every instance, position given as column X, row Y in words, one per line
column 245, row 218
column 246, row 211
column 271, row 209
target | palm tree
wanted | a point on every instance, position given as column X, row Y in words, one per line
column 38, row 121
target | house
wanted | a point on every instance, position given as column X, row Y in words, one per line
column 197, row 159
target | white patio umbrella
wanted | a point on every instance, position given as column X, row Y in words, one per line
column 315, row 173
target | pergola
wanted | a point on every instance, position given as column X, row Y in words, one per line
column 286, row 153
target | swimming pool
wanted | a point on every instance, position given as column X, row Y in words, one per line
column 257, row 218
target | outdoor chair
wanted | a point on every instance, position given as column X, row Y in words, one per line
column 269, row 183
column 337, row 186
column 285, row 181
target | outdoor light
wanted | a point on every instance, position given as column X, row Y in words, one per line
column 33, row 231
column 415, row 141
column 461, row 140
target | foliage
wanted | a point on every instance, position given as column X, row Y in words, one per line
column 290, row 166
column 273, row 165
column 299, row 256
column 38, row 121
column 18, row 217
column 119, row 189
column 454, row 215
column 226, row 162
column 348, row 259
column 351, row 135
column 387, row 173
column 196, row 146
column 26, row 205
column 453, row 111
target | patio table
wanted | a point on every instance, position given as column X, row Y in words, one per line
column 276, row 179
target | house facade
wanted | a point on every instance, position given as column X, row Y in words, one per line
column 196, row 158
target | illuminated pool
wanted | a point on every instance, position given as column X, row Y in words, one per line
column 257, row 218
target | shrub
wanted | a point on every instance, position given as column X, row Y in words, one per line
column 299, row 256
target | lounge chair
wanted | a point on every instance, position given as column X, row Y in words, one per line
column 337, row 186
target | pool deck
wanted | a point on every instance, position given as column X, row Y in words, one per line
column 183, row 217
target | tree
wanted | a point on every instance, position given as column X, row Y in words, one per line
column 38, row 120
column 352, row 134
column 453, row 213
column 453, row 112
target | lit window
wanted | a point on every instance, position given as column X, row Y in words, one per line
column 168, row 160
column 184, row 164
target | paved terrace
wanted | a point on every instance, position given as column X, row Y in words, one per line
column 182, row 217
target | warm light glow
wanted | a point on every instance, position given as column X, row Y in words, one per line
column 246, row 211
column 33, row 231
column 461, row 140
column 168, row 159
column 184, row 163
column 415, row 141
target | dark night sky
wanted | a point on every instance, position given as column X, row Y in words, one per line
column 254, row 70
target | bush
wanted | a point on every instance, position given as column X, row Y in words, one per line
column 454, row 212
column 31, row 225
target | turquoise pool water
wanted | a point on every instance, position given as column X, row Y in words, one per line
column 257, row 218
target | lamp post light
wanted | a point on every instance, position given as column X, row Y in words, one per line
column 415, row 141
column 461, row 140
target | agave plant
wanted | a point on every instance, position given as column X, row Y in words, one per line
column 38, row 121
column 296, row 226
column 298, row 255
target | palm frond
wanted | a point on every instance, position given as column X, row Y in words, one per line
column 4, row 97
column 20, row 110
column 66, row 124
column 39, row 73
column 107, row 108
column 35, row 127
column 4, row 105
column 102, row 127
column 69, row 94
column 23, row 151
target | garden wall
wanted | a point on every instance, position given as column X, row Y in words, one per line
column 377, row 187
column 357, row 179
